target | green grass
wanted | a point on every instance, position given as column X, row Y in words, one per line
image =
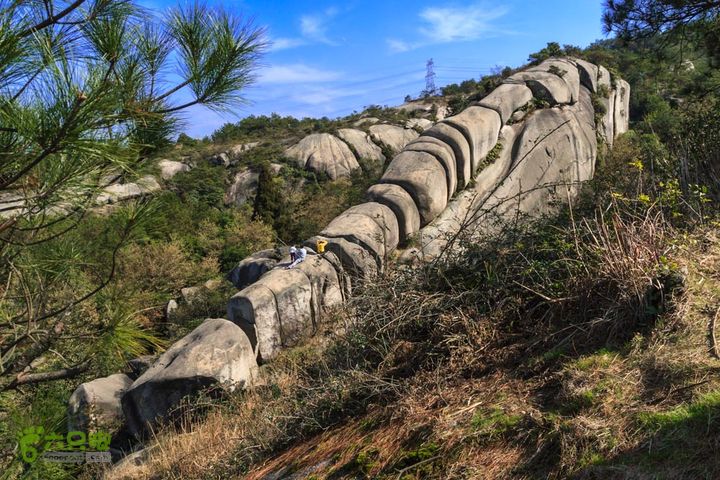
column 601, row 359
column 494, row 422
column 702, row 413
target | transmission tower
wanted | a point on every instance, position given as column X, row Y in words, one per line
column 430, row 78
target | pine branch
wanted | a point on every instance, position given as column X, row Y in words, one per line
column 63, row 373
column 51, row 20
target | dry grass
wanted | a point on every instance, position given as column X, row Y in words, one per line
column 548, row 358
column 187, row 453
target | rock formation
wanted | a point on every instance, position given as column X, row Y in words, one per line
column 243, row 188
column 96, row 404
column 361, row 143
column 216, row 352
column 125, row 191
column 323, row 152
column 170, row 168
column 528, row 144
column 516, row 156
column 392, row 136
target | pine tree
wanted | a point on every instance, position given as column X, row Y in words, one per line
column 88, row 88
column 268, row 205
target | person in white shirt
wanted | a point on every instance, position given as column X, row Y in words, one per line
column 299, row 257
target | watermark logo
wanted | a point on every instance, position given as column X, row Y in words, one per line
column 75, row 447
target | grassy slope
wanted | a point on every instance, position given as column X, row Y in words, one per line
column 571, row 349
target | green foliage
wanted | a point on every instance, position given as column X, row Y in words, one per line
column 186, row 141
column 424, row 452
column 552, row 49
column 203, row 186
column 601, row 359
column 274, row 126
column 459, row 96
column 493, row 154
column 89, row 90
column 270, row 205
column 555, row 70
column 494, row 422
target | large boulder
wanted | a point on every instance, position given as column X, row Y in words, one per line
column 293, row 296
column 423, row 177
column 361, row 143
column 96, row 404
column 323, row 152
column 366, row 121
column 416, row 106
column 551, row 156
column 481, row 126
column 127, row 191
column 458, row 143
column 327, row 288
column 371, row 225
column 419, row 123
column 249, row 269
column 588, row 74
column 444, row 155
column 241, row 148
column 506, row 99
column 393, row 136
column 356, row 260
column 584, row 114
column 465, row 210
column 221, row 159
column 170, row 168
column 607, row 127
column 255, row 311
column 607, row 99
column 401, row 203
column 544, row 85
column 119, row 192
column 603, row 78
column 243, row 188
column 284, row 306
column 216, row 352
column 622, row 106
column 565, row 69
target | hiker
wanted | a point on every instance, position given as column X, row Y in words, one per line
column 293, row 254
column 299, row 257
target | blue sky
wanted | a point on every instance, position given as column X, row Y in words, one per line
column 331, row 58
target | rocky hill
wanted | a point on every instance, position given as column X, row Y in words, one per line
column 530, row 143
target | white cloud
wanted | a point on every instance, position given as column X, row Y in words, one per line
column 283, row 43
column 296, row 73
column 452, row 24
column 398, row 46
column 314, row 27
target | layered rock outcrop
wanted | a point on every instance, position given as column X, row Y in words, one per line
column 528, row 144
column 361, row 143
column 392, row 136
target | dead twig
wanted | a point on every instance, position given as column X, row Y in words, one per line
column 711, row 335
